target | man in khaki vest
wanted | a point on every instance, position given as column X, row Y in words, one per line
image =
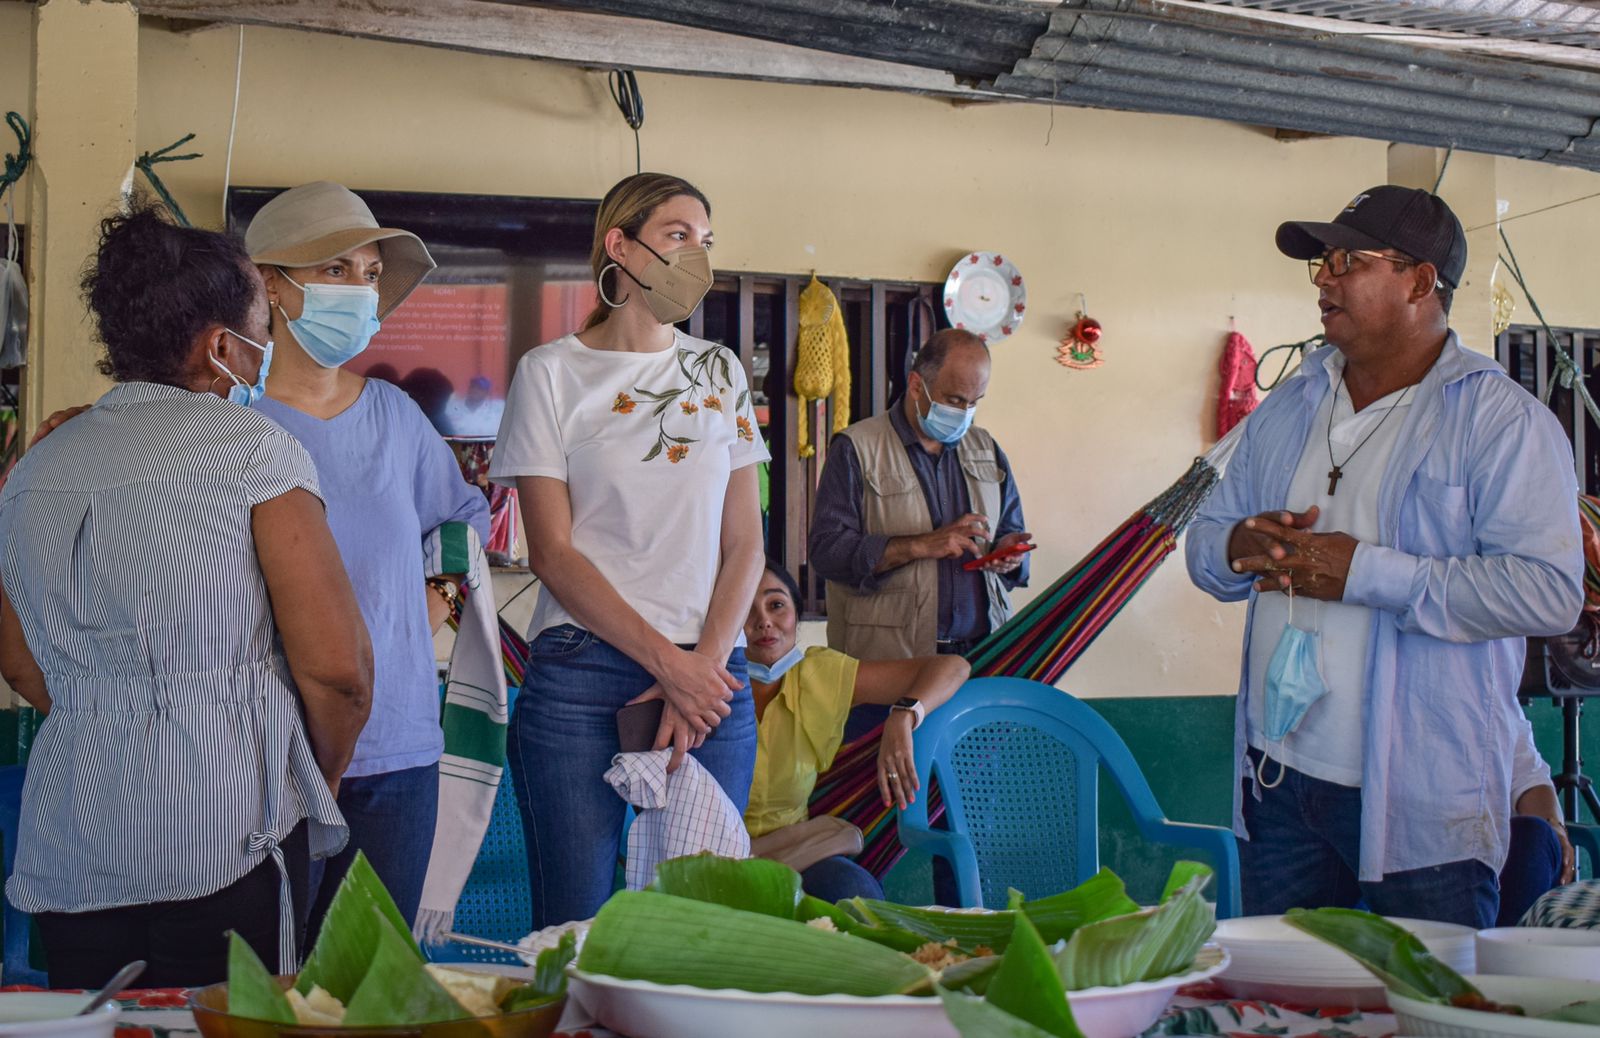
column 906, row 498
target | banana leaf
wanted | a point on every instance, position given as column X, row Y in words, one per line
column 751, row 884
column 1155, row 942
column 1392, row 954
column 252, row 991
column 360, row 910
column 1028, row 987
column 549, row 977
column 647, row 935
column 397, row 990
column 1056, row 917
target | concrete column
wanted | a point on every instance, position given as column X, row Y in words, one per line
column 1469, row 189
column 85, row 103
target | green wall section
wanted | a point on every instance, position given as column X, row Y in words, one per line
column 1184, row 745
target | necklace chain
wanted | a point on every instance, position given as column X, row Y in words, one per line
column 1338, row 466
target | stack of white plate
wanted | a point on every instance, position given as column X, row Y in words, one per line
column 1275, row 962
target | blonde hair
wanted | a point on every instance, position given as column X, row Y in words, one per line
column 628, row 206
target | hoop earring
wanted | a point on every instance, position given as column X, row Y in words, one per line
column 213, row 384
column 600, row 286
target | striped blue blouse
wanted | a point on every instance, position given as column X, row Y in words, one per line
column 174, row 756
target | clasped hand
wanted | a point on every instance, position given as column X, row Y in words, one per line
column 1289, row 557
column 697, row 689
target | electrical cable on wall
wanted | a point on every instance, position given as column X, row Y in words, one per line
column 233, row 125
column 630, row 102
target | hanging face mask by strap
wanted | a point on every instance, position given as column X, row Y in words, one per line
column 13, row 289
column 1294, row 685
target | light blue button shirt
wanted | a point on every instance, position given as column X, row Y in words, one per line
column 1481, row 548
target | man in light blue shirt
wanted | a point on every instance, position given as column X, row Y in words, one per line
column 1399, row 516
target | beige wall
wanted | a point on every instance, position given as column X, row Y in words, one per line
column 1164, row 223
column 16, row 77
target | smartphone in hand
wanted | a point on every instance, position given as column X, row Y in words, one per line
column 1020, row 548
column 638, row 723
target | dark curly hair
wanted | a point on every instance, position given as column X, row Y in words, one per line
column 153, row 286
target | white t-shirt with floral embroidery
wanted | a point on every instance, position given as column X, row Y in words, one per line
column 645, row 443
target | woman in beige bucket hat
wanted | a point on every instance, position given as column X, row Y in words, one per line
column 388, row 480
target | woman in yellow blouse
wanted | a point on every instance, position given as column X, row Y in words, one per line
column 802, row 699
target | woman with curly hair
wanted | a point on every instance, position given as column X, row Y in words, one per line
column 174, row 604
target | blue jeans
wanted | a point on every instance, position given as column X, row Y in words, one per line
column 836, row 878
column 1305, row 847
column 392, row 817
column 562, row 739
column 1533, row 865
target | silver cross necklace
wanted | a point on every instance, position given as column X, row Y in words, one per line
column 1337, row 472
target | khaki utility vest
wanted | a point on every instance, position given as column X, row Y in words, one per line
column 901, row 618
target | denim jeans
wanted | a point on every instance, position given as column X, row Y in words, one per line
column 1533, row 866
column 392, row 817
column 1304, row 848
column 562, row 739
column 836, row 878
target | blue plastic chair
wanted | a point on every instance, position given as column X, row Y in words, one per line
column 16, row 967
column 1018, row 763
column 496, row 902
column 1586, row 838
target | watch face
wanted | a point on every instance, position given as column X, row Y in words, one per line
column 905, row 703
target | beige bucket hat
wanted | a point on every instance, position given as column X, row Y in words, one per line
column 320, row 221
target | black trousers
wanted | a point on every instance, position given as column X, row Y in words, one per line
column 184, row 943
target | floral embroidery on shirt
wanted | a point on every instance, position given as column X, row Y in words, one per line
column 709, row 375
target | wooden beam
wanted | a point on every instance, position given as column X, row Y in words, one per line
column 577, row 38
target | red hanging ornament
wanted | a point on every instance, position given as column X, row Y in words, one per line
column 1080, row 348
column 1237, row 396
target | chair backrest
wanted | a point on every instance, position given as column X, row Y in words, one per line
column 1018, row 763
column 16, row 969
column 496, row 902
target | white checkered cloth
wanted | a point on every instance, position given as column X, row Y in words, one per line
column 682, row 813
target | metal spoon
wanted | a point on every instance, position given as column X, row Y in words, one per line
column 114, row 987
column 483, row 942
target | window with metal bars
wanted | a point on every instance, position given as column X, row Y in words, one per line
column 1525, row 351
column 756, row 316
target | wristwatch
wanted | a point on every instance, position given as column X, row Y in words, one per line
column 912, row 707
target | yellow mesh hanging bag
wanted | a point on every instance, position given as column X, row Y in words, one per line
column 822, row 360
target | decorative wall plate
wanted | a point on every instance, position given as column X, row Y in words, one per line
column 984, row 294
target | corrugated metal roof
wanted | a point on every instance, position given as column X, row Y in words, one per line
column 1277, row 63
column 1536, row 21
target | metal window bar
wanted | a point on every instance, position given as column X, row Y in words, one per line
column 881, row 319
column 1526, row 353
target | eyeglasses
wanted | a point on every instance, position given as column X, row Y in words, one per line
column 1338, row 261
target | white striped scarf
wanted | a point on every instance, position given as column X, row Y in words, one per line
column 474, row 720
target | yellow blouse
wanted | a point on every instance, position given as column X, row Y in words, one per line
column 799, row 733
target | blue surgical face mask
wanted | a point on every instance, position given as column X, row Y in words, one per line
column 336, row 322
column 1294, row 684
column 243, row 392
column 768, row 674
column 944, row 422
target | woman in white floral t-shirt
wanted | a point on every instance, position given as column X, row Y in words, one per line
column 634, row 452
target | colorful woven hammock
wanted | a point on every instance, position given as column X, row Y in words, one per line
column 1040, row 642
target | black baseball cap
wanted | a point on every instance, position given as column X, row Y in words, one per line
column 1409, row 219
